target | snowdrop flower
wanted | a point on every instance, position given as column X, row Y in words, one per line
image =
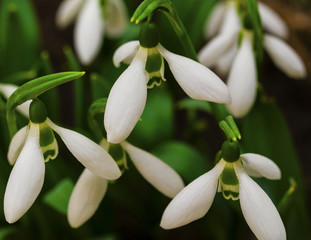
column 91, row 189
column 223, row 53
column 92, row 23
column 6, row 90
column 231, row 177
column 35, row 144
column 220, row 50
column 127, row 98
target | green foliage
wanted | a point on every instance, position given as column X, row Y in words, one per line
column 265, row 131
column 58, row 197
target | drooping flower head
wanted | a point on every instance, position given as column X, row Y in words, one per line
column 231, row 176
column 127, row 98
column 91, row 189
column 35, row 144
column 94, row 19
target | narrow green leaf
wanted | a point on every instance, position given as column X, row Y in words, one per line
column 265, row 131
column 19, row 36
column 33, row 89
column 58, row 197
column 96, row 108
column 186, row 160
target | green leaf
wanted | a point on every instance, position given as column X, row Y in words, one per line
column 156, row 123
column 5, row 231
column 97, row 108
column 58, row 197
column 186, row 160
column 33, row 89
column 265, row 131
column 192, row 104
column 19, row 37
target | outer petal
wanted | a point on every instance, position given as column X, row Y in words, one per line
column 196, row 80
column 216, row 48
column 26, row 179
column 285, row 57
column 125, row 53
column 126, row 100
column 257, row 165
column 214, row 21
column 231, row 22
column 116, row 18
column 225, row 62
column 156, row 172
column 242, row 80
column 259, row 211
column 67, row 12
column 272, row 22
column 7, row 90
column 85, row 198
column 89, row 32
column 90, row 154
column 193, row 201
column 17, row 144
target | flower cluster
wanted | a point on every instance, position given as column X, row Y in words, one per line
column 223, row 52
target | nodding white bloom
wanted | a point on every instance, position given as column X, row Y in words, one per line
column 127, row 98
column 7, row 89
column 231, row 177
column 90, row 189
column 219, row 52
column 223, row 53
column 93, row 21
column 35, row 144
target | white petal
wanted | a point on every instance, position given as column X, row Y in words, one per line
column 155, row 171
column 126, row 100
column 285, row 57
column 259, row 211
column 67, row 12
column 272, row 22
column 89, row 32
column 214, row 21
column 257, row 165
column 225, row 62
column 195, row 79
column 242, row 80
column 90, row 154
column 85, row 198
column 26, row 179
column 116, row 18
column 216, row 48
column 17, row 143
column 7, row 89
column 125, row 53
column 193, row 201
column 231, row 22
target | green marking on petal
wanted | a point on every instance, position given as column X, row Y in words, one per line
column 154, row 67
column 229, row 182
column 48, row 142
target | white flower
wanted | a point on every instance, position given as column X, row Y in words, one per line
column 90, row 189
column 7, row 89
column 194, row 200
column 31, row 147
column 219, row 52
column 92, row 24
column 242, row 79
column 127, row 98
